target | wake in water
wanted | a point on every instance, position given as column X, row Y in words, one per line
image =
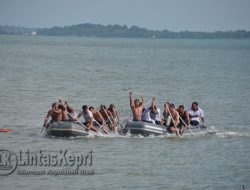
column 210, row 132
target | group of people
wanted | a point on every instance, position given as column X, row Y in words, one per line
column 174, row 119
column 108, row 119
column 105, row 118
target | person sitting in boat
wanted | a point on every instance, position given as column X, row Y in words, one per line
column 98, row 119
column 196, row 115
column 146, row 115
column 184, row 117
column 69, row 109
column 107, row 115
column 97, row 116
column 114, row 113
column 64, row 112
column 88, row 117
column 136, row 107
column 171, row 113
column 54, row 113
column 155, row 113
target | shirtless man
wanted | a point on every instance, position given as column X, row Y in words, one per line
column 64, row 112
column 136, row 107
column 69, row 112
column 108, row 117
column 88, row 117
column 114, row 113
column 170, row 110
column 55, row 113
column 184, row 116
column 98, row 118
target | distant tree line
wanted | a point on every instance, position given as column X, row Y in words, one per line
column 97, row 30
column 93, row 30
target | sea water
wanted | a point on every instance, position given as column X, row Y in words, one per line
column 37, row 71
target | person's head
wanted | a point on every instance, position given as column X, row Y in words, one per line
column 92, row 109
column 171, row 107
column 54, row 105
column 181, row 108
column 194, row 106
column 84, row 108
column 137, row 103
column 102, row 107
column 111, row 106
column 60, row 106
column 153, row 108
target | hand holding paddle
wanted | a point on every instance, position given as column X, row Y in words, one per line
column 177, row 131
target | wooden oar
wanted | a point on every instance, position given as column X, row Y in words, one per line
column 129, row 90
column 87, row 129
column 108, row 116
column 203, row 124
column 101, row 127
column 186, row 125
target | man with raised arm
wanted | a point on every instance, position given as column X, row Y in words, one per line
column 136, row 107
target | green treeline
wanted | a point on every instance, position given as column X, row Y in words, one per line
column 97, row 30
column 118, row 31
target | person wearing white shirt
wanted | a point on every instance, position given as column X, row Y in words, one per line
column 155, row 113
column 196, row 115
column 88, row 117
column 146, row 115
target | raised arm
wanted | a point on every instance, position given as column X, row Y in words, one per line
column 131, row 100
column 142, row 101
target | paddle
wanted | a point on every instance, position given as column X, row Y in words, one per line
column 203, row 125
column 87, row 129
column 108, row 116
column 186, row 125
column 129, row 90
column 177, row 131
column 42, row 129
column 101, row 126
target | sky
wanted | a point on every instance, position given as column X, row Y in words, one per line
column 173, row 15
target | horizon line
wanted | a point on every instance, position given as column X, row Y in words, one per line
column 105, row 25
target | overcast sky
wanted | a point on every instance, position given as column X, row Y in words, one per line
column 174, row 15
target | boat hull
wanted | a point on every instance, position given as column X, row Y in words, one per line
column 146, row 129
column 66, row 129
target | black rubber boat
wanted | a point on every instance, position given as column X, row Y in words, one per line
column 146, row 129
column 66, row 129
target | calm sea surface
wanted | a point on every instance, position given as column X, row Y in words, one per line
column 36, row 71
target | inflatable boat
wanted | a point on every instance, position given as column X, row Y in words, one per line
column 66, row 129
column 146, row 129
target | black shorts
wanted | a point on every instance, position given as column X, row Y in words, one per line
column 194, row 123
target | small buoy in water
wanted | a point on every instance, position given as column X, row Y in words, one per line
column 6, row 130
